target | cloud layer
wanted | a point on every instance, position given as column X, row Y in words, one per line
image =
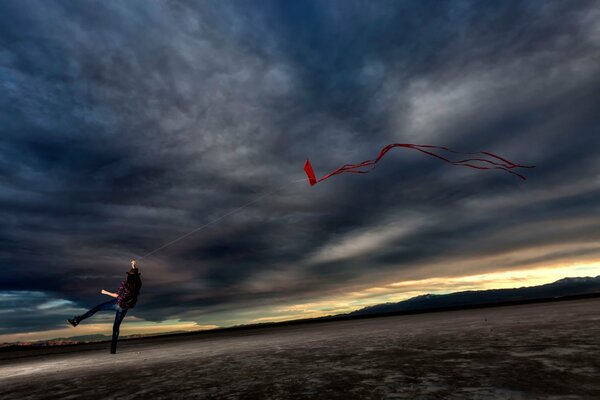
column 127, row 124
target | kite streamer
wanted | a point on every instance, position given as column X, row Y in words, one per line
column 483, row 160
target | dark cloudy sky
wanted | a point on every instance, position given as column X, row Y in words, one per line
column 124, row 125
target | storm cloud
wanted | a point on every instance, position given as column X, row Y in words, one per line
column 127, row 124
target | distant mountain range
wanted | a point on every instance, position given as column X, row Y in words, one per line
column 562, row 288
column 100, row 337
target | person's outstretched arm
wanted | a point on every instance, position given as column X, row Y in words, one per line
column 106, row 292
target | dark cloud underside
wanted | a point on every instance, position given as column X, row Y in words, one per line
column 126, row 124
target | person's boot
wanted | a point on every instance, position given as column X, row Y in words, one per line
column 74, row 321
column 113, row 348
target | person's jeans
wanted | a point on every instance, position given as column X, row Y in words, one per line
column 110, row 305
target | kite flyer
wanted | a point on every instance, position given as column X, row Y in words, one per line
column 124, row 299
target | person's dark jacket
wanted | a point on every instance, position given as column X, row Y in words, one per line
column 125, row 297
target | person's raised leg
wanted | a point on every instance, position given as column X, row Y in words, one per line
column 106, row 306
column 118, row 319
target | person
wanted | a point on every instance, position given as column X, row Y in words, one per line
column 124, row 299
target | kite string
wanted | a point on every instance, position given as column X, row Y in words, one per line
column 221, row 217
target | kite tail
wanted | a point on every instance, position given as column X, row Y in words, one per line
column 496, row 162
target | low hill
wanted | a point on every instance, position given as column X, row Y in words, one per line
column 561, row 288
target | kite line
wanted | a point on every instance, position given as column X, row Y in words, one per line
column 485, row 160
column 221, row 217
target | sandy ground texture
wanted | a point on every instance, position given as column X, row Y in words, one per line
column 539, row 351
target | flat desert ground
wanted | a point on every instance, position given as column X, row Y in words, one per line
column 535, row 351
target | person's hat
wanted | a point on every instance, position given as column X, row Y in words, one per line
column 133, row 271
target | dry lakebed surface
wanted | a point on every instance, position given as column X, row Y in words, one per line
column 533, row 351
